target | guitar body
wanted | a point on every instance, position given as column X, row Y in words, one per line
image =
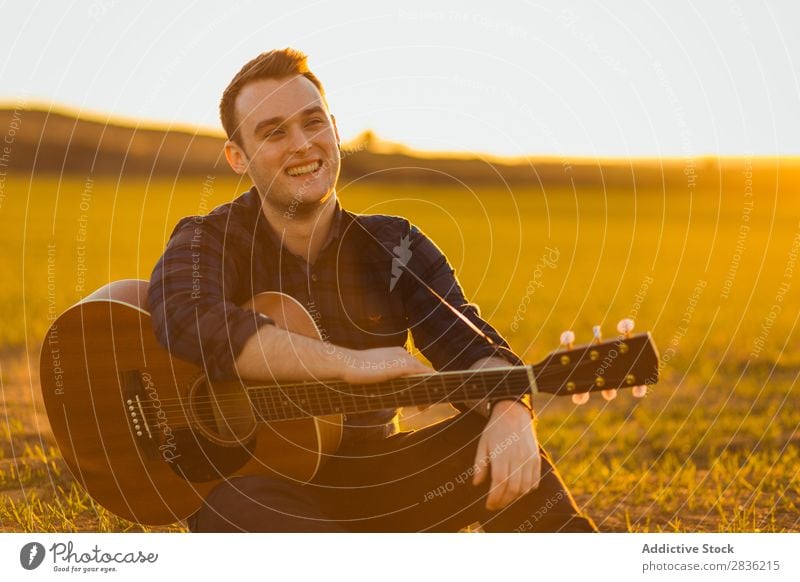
column 143, row 432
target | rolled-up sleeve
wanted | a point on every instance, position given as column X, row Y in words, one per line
column 447, row 341
column 191, row 300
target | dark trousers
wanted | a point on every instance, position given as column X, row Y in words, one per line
column 412, row 481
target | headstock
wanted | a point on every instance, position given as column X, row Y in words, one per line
column 627, row 361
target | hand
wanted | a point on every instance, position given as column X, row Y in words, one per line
column 508, row 445
column 378, row 365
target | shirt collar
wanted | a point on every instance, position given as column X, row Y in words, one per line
column 265, row 229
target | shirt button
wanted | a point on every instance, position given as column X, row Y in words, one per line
column 314, row 277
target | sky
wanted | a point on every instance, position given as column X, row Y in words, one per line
column 573, row 78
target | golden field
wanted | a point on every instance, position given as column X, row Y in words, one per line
column 712, row 272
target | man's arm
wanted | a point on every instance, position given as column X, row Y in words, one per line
column 508, row 448
column 276, row 354
column 447, row 341
column 192, row 298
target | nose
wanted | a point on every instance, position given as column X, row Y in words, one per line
column 299, row 141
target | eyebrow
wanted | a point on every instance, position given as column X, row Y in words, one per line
column 278, row 119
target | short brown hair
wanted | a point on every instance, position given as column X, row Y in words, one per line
column 274, row 64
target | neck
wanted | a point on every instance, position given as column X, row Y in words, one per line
column 303, row 233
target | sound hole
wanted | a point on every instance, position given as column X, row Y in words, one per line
column 222, row 437
column 223, row 414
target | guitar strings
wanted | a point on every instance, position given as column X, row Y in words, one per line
column 317, row 391
column 317, row 394
column 295, row 409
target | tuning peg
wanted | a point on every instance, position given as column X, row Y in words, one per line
column 625, row 327
column 639, row 391
column 568, row 339
column 596, row 334
column 609, row 394
column 580, row 398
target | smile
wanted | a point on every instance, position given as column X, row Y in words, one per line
column 302, row 170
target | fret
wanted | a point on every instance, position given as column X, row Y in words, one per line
column 466, row 385
column 329, row 392
column 261, row 402
column 254, row 401
column 318, row 410
column 339, row 394
column 301, row 399
column 288, row 402
column 401, row 389
column 396, row 394
column 487, row 386
column 308, row 403
column 285, row 404
column 257, row 395
column 270, row 405
column 275, row 402
column 410, row 393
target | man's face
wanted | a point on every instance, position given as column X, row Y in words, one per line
column 289, row 143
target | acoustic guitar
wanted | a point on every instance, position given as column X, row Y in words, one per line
column 149, row 436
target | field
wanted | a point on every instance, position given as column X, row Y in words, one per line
column 710, row 272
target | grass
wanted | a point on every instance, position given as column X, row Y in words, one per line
column 714, row 446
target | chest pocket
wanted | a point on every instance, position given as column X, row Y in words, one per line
column 378, row 313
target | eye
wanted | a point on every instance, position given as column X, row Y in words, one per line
column 314, row 121
column 274, row 134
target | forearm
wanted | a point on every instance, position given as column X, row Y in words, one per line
column 279, row 355
column 274, row 354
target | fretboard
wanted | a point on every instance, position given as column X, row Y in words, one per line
column 303, row 399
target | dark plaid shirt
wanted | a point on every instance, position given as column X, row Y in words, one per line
column 356, row 291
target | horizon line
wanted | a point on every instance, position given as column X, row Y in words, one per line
column 379, row 146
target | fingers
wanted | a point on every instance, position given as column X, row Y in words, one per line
column 509, row 484
column 505, row 485
column 481, row 465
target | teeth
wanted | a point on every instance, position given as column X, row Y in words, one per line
column 303, row 169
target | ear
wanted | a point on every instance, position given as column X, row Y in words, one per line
column 237, row 158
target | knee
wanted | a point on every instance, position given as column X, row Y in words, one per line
column 258, row 503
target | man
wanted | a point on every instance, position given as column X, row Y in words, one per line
column 367, row 281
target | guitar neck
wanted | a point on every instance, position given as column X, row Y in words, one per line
column 623, row 362
column 299, row 400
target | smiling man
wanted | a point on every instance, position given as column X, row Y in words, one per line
column 367, row 281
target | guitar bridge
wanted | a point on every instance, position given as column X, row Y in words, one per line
column 133, row 393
